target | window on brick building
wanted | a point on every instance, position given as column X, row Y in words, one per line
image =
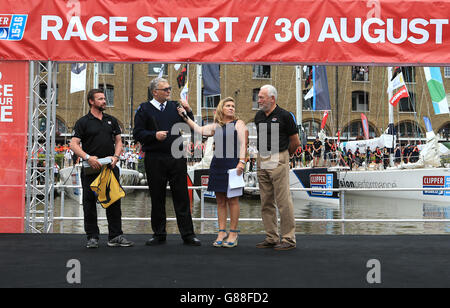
column 211, row 101
column 43, row 92
column 155, row 68
column 360, row 73
column 408, row 129
column 444, row 132
column 106, row 68
column 447, row 72
column 109, row 94
column 312, row 128
column 360, row 101
column 307, row 103
column 261, row 71
column 355, row 130
column 408, row 104
column 409, row 73
column 255, row 93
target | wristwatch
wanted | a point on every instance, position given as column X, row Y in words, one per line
column 117, row 156
column 87, row 156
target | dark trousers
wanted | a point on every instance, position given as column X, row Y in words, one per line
column 161, row 170
column 113, row 212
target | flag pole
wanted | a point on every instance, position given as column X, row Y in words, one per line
column 391, row 107
column 391, row 118
column 95, row 80
column 298, row 97
column 199, row 94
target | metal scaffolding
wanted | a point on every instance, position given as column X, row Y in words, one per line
column 41, row 147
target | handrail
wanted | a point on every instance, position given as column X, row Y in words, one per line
column 260, row 219
column 144, row 187
column 342, row 220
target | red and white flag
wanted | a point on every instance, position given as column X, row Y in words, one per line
column 324, row 119
column 401, row 93
column 397, row 84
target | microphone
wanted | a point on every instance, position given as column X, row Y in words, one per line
column 184, row 114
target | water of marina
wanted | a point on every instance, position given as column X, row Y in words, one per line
column 137, row 204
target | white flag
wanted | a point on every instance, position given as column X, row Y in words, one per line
column 309, row 94
column 184, row 92
column 78, row 77
column 161, row 71
column 397, row 82
column 177, row 66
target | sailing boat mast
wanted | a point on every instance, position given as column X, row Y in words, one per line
column 298, row 96
column 199, row 95
column 95, row 82
column 391, row 118
column 391, row 108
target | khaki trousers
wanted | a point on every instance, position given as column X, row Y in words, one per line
column 273, row 178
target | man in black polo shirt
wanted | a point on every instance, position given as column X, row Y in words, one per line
column 277, row 140
column 97, row 135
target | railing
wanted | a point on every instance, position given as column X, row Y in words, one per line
column 337, row 220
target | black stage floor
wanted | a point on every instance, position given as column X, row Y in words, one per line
column 32, row 260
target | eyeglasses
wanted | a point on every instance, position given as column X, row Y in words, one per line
column 165, row 89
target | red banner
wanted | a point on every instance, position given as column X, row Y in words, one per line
column 408, row 32
column 324, row 119
column 13, row 140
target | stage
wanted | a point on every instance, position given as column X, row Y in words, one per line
column 33, row 260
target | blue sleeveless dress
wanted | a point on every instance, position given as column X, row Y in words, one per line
column 226, row 156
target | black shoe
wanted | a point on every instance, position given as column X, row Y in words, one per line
column 284, row 246
column 192, row 242
column 266, row 244
column 92, row 243
column 120, row 241
column 155, row 241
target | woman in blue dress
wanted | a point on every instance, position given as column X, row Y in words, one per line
column 230, row 142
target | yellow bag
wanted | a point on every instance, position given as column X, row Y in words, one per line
column 107, row 188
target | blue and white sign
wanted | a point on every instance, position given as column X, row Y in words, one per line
column 321, row 181
column 12, row 26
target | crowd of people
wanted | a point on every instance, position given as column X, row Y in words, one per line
column 311, row 156
column 129, row 157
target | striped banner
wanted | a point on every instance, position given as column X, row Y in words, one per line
column 437, row 91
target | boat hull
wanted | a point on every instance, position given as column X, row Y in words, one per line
column 399, row 178
column 319, row 178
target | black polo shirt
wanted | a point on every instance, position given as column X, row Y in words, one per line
column 97, row 136
column 287, row 127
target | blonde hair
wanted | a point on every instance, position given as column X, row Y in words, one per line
column 218, row 117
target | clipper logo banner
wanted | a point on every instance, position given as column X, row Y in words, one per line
column 12, row 26
column 321, row 181
column 436, row 182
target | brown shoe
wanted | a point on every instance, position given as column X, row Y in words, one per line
column 284, row 246
column 266, row 244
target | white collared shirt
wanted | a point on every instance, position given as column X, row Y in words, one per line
column 157, row 104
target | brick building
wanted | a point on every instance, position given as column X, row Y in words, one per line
column 353, row 90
